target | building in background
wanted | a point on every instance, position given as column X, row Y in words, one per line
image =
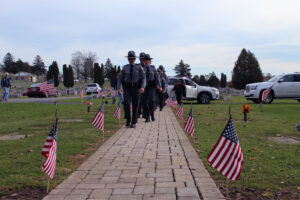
column 24, row 76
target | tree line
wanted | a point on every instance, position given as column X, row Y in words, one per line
column 246, row 70
column 83, row 67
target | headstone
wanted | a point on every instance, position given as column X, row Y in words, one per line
column 227, row 98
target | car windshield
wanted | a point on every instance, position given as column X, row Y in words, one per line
column 275, row 78
column 36, row 85
column 91, row 85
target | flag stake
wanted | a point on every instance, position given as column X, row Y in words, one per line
column 48, row 185
column 227, row 187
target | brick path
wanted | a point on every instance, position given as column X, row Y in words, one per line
column 153, row 161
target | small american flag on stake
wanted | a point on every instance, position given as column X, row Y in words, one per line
column 117, row 113
column 179, row 112
column 100, row 94
column 81, row 93
column 49, row 151
column 189, row 124
column 265, row 94
column 98, row 120
column 47, row 85
column 171, row 103
column 227, row 156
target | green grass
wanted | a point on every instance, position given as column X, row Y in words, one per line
column 268, row 167
column 20, row 168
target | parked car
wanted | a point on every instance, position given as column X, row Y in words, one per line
column 93, row 88
column 202, row 94
column 286, row 86
column 41, row 90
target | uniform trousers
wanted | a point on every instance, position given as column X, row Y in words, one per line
column 149, row 102
column 131, row 95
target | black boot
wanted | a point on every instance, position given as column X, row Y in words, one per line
column 152, row 118
column 127, row 124
column 147, row 119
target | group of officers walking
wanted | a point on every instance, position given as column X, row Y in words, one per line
column 143, row 85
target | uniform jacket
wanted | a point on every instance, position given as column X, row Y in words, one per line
column 138, row 75
column 151, row 76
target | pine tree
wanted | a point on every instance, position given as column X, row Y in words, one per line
column 71, row 76
column 119, row 70
column 246, row 70
column 96, row 73
column 65, row 75
column 183, row 69
column 38, row 66
column 196, row 79
column 8, row 62
column 202, row 80
column 53, row 73
column 213, row 81
column 223, row 82
column 108, row 67
column 101, row 75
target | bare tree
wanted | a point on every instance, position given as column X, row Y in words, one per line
column 77, row 62
column 88, row 65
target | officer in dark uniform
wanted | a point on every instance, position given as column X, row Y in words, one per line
column 152, row 84
column 142, row 97
column 165, row 77
column 161, row 94
column 133, row 81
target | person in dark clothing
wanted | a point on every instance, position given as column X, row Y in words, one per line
column 5, row 84
column 142, row 96
column 180, row 91
column 161, row 94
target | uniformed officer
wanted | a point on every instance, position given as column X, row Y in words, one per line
column 166, row 79
column 161, row 94
column 142, row 97
column 152, row 84
column 133, row 79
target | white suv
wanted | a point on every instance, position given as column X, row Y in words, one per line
column 194, row 91
column 285, row 86
column 92, row 88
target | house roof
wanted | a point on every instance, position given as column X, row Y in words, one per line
column 24, row 74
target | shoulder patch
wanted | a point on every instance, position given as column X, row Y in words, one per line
column 142, row 69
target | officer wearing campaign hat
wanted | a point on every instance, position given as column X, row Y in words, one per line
column 161, row 94
column 152, row 84
column 142, row 96
column 165, row 79
column 133, row 81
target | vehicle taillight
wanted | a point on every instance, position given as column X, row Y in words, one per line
column 38, row 89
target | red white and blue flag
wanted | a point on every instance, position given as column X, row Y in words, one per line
column 179, row 112
column 117, row 113
column 81, row 93
column 100, row 94
column 227, row 156
column 98, row 120
column 189, row 124
column 49, row 151
column 265, row 94
column 171, row 103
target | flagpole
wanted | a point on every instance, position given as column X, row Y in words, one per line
column 227, row 187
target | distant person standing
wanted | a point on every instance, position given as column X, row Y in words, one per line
column 5, row 84
column 153, row 83
column 180, row 90
column 133, row 81
column 161, row 94
column 142, row 97
column 166, row 79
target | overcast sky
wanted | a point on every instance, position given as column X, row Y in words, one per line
column 208, row 35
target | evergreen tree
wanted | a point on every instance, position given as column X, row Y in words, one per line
column 65, row 75
column 119, row 70
column 53, row 73
column 246, row 70
column 213, row 81
column 108, row 67
column 96, row 73
column 223, row 82
column 202, row 80
column 9, row 63
column 182, row 69
column 196, row 79
column 38, row 66
column 71, row 76
column 101, row 75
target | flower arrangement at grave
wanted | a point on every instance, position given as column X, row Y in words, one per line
column 246, row 108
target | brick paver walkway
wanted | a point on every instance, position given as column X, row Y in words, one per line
column 153, row 161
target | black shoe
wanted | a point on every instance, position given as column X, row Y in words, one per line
column 147, row 120
column 160, row 109
column 152, row 118
column 132, row 126
column 127, row 124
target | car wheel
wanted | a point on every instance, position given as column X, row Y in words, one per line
column 269, row 99
column 298, row 100
column 204, row 98
column 88, row 93
column 257, row 101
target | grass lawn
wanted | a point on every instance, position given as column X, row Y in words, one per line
column 270, row 170
column 21, row 160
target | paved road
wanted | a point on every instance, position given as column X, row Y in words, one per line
column 153, row 161
column 38, row 100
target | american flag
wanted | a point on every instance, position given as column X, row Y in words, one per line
column 227, row 156
column 81, row 93
column 117, row 113
column 113, row 93
column 171, row 103
column 47, row 85
column 265, row 94
column 189, row 124
column 98, row 120
column 100, row 94
column 49, row 151
column 179, row 112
